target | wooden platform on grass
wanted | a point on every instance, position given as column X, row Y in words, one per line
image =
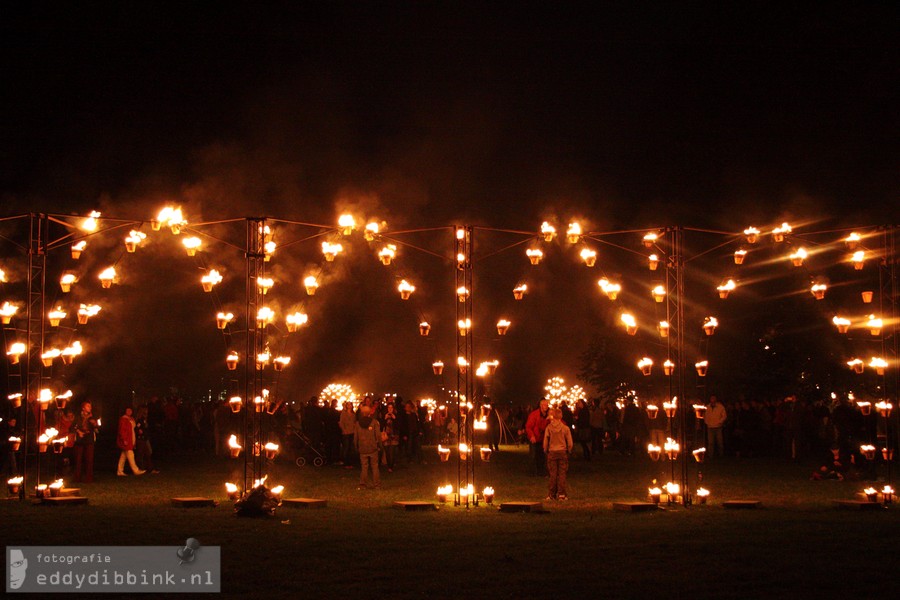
column 304, row 503
column 635, row 506
column 70, row 492
column 65, row 500
column 524, row 507
column 193, row 502
column 413, row 506
column 857, row 504
column 742, row 504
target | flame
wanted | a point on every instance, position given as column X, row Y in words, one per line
column 373, row 228
column 462, row 362
column 701, row 364
column 263, row 358
column 88, row 310
column 728, row 286
column 783, row 229
column 654, row 491
column 346, row 221
column 628, row 320
column 887, row 490
column 652, row 448
column 464, row 325
column 671, row 405
column 231, row 488
column 265, row 315
column 57, row 314
column 658, row 292
column 212, row 278
column 283, row 360
column 853, row 363
column 587, row 254
column 269, row 248
column 226, row 317
column 520, row 289
column 672, row 489
column 340, row 393
column 56, row 484
column 108, row 274
column 8, row 310
column 800, row 255
column 310, row 282
column 445, row 490
column 73, row 350
column 265, row 283
column 534, row 253
column 858, row 257
column 853, row 238
column 68, row 279
column 331, row 250
column 874, row 322
column 16, row 349
column 651, row 238
column 488, row 491
column 387, row 253
column 80, row 246
column 235, row 400
column 710, row 322
column 645, row 362
column 277, row 490
column 751, row 231
column 297, row 319
column 171, row 217
column 438, row 364
column 548, row 230
column 503, row 323
column 271, row 446
column 259, row 482
column 191, row 243
column 15, row 480
column 90, row 223
column 406, row 287
column 462, row 292
column 136, row 237
column 653, row 258
column 232, row 441
column 574, row 230
column 668, row 364
column 50, row 354
column 703, row 492
column 878, row 363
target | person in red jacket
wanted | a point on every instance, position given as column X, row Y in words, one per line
column 125, row 440
column 534, row 429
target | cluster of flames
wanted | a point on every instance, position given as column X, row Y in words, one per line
column 339, row 393
column 557, row 392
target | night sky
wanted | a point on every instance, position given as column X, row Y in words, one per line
column 624, row 116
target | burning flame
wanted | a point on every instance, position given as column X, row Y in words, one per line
column 464, row 325
column 331, row 250
column 853, row 363
column 628, row 320
column 231, row 488
column 728, row 286
column 703, row 493
column 387, row 253
column 283, row 360
column 841, row 321
column 67, row 279
column 57, row 314
column 265, row 315
column 340, row 393
column 588, row 256
column 80, row 246
column 191, row 244
column 406, row 288
column 874, row 322
column 16, row 349
column 108, row 274
column 171, row 217
column 548, row 231
column 462, row 293
column 650, row 238
column 573, row 232
column 672, row 489
column 784, row 229
column 858, row 257
column 232, row 441
column 658, row 292
column 7, row 311
column 372, row 229
column 297, row 319
column 347, row 223
column 645, row 362
column 211, row 278
column 534, row 254
column 710, row 322
column 50, row 355
column 265, row 284
column 878, row 363
column 445, row 490
column 74, row 350
column 90, row 223
column 310, row 284
column 800, row 255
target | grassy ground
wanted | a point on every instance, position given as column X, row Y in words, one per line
column 797, row 546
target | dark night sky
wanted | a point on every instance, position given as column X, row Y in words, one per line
column 625, row 115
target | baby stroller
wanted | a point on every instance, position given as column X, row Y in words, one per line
column 305, row 450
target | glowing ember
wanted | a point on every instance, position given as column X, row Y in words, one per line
column 655, row 493
column 548, row 231
column 16, row 350
column 265, row 284
column 462, row 293
column 170, row 217
column 573, row 233
column 852, row 240
column 875, row 324
column 372, row 230
column 295, row 321
column 798, row 257
column 842, row 324
column 879, row 364
column 653, row 262
column 589, row 257
column 503, row 326
column 864, row 407
column 534, row 255
column 311, row 285
column 463, row 451
column 7, row 312
column 726, row 288
column 650, row 239
column 438, row 367
column 663, row 329
column 464, row 326
column 134, row 239
column 856, row 364
column 519, row 291
column 268, row 250
column 48, row 356
column 223, row 319
column 670, row 407
column 668, row 367
column 232, row 360
column 231, row 490
column 347, row 223
column 609, row 288
column 406, row 289
column 265, row 315
column 703, row 495
column 654, row 451
column 752, row 234
column 699, row 455
column 387, row 254
column 462, row 364
column 280, row 362
column 90, row 223
column 858, row 259
column 191, row 245
column 262, row 359
column 779, row 232
column 56, row 315
column 235, row 403
column 77, row 249
column 739, row 256
column 645, row 365
column 672, row 489
column 658, row 293
column 66, row 281
column 331, row 250
column 629, row 322
column 884, row 408
column 107, row 277
column 702, row 367
column 709, row 325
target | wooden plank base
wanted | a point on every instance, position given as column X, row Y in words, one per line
column 193, row 502
column 413, row 506
column 857, row 504
column 526, row 507
column 304, row 503
column 65, row 500
column 635, row 506
column 741, row 504
column 70, row 492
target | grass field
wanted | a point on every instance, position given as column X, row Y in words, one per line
column 796, row 546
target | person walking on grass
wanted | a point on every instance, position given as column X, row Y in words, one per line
column 125, row 440
column 557, row 445
column 367, row 441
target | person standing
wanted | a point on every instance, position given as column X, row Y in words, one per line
column 125, row 440
column 367, row 441
column 347, row 423
column 715, row 421
column 583, row 427
column 390, row 436
column 143, row 450
column 534, row 429
column 557, row 444
column 85, row 436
